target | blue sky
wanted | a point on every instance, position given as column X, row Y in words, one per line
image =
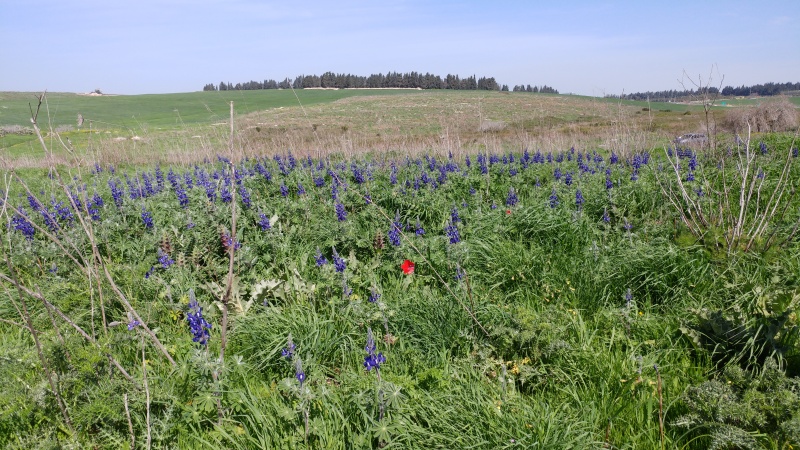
column 585, row 47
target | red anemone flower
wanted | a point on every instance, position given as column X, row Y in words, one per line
column 508, row 212
column 408, row 267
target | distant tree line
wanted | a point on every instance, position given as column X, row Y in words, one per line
column 544, row 89
column 766, row 89
column 413, row 80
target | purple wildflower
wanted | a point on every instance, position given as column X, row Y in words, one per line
column 339, row 263
column 197, row 324
column 372, row 361
column 341, row 213
column 263, row 222
column 147, row 219
column 320, row 258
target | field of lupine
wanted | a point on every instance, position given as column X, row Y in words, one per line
column 571, row 299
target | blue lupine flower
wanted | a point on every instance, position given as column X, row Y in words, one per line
column 425, row 178
column 164, row 259
column 334, row 190
column 300, row 189
column 133, row 324
column 628, row 298
column 23, row 225
column 116, row 192
column 244, row 194
column 341, row 213
column 288, row 351
column 634, row 175
column 320, row 258
column 609, row 184
column 763, row 148
column 690, row 176
column 339, row 263
column 298, row 371
column 263, row 222
column 557, row 174
column 472, row 191
column 606, row 217
column 229, row 243
column 628, row 225
column 693, row 162
column 760, row 174
column 568, row 179
column 374, row 295
column 454, row 215
column 553, row 199
column 172, row 177
column 372, row 361
column 197, row 324
column 147, row 219
column 579, row 199
column 511, row 199
column 459, row 273
column 225, row 193
column 93, row 207
column 615, row 159
column 159, row 178
column 419, row 230
column 394, row 232
column 346, row 291
column 284, row 190
column 149, row 191
column 452, row 233
column 358, row 173
column 149, row 272
column 183, row 198
column 494, row 205
column 794, row 152
column 34, row 203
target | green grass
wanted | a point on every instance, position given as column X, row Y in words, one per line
column 165, row 111
column 549, row 337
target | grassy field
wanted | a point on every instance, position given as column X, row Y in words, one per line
column 383, row 271
column 191, row 127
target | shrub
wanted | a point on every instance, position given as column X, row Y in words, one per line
column 769, row 116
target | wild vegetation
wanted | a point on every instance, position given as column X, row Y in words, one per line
column 631, row 296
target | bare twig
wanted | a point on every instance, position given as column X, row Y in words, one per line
column 130, row 423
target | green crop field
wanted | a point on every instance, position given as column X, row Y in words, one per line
column 394, row 269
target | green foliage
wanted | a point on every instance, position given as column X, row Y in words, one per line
column 744, row 409
column 540, row 327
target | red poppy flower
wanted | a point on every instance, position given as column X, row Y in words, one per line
column 408, row 267
column 508, row 212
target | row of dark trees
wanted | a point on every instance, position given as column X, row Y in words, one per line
column 413, row 80
column 545, row 89
column 765, row 89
